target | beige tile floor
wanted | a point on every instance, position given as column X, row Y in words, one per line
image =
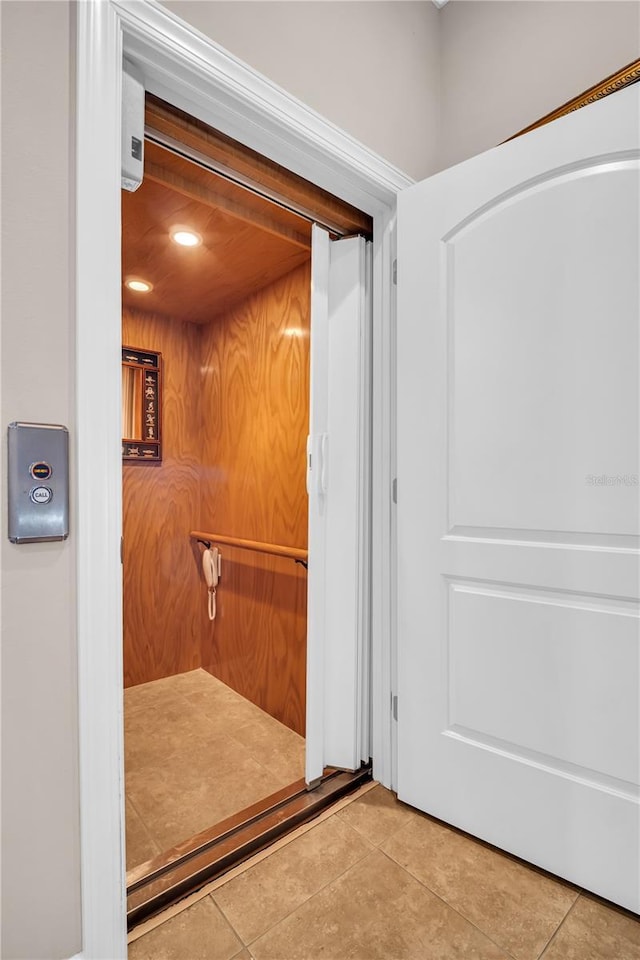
column 379, row 881
column 195, row 753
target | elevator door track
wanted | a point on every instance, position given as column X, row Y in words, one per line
column 157, row 884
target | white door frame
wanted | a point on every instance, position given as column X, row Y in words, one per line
column 187, row 69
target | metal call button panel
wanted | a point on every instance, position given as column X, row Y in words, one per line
column 38, row 456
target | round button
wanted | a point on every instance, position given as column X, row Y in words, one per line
column 41, row 494
column 40, row 470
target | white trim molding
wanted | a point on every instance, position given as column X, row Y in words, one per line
column 187, row 69
column 99, row 481
column 183, row 66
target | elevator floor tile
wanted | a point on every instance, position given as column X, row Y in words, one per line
column 197, row 752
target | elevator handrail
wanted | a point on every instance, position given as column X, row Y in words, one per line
column 275, row 549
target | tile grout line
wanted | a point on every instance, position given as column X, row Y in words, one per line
column 384, row 839
column 558, row 928
column 308, row 900
column 450, row 906
column 144, row 825
column 172, row 694
column 513, row 859
column 228, row 923
column 259, row 762
column 259, row 720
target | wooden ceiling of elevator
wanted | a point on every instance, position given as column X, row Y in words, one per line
column 247, row 241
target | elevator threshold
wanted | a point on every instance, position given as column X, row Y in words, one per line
column 157, row 884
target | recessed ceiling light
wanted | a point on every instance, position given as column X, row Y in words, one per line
column 140, row 286
column 185, row 237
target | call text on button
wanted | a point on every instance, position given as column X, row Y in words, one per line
column 41, row 494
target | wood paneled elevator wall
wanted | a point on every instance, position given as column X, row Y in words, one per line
column 235, row 419
column 255, row 402
column 161, row 586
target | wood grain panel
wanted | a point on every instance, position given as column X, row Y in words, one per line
column 193, row 133
column 196, row 284
column 161, row 504
column 197, row 183
column 257, row 643
column 255, row 400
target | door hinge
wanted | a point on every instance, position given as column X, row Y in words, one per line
column 394, row 706
column 121, row 550
column 395, row 272
column 394, row 489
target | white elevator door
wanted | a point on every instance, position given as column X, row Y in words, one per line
column 337, row 733
column 518, row 434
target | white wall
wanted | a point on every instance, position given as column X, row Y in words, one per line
column 369, row 67
column 40, row 816
column 505, row 63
